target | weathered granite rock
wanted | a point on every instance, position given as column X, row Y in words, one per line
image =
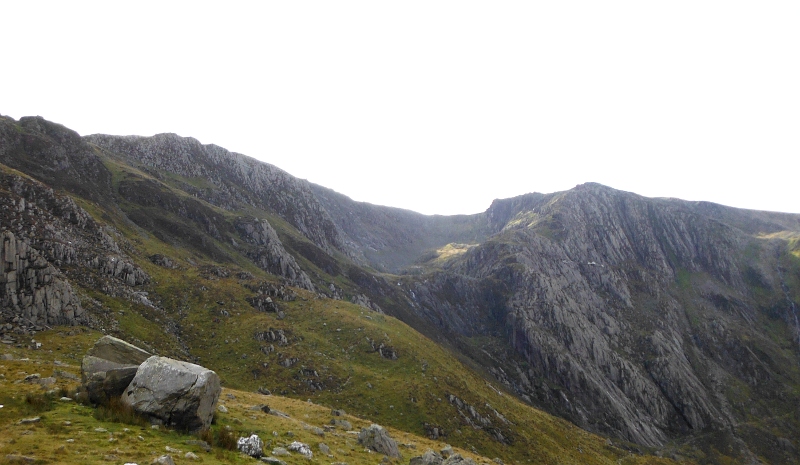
column 376, row 438
column 109, row 367
column 180, row 394
column 252, row 446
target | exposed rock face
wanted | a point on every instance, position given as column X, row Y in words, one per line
column 180, row 394
column 610, row 297
column 56, row 241
column 31, row 288
column 269, row 253
column 109, row 367
column 376, row 438
column 238, row 180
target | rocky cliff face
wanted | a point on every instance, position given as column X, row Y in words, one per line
column 231, row 181
column 626, row 312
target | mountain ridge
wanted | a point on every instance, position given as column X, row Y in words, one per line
column 658, row 321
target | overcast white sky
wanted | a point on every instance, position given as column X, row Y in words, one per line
column 437, row 107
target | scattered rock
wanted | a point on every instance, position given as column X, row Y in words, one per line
column 14, row 458
column 264, row 391
column 324, row 448
column 344, row 424
column 428, row 458
column 457, row 459
column 252, row 446
column 164, row 460
column 301, row 448
column 32, row 378
column 222, row 408
column 447, row 451
column 64, row 375
column 280, row 451
column 337, row 413
column 191, row 456
column 28, row 421
column 201, row 444
column 376, row 438
column 273, row 460
column 181, row 394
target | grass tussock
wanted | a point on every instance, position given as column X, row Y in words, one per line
column 225, row 439
column 118, row 412
column 39, row 402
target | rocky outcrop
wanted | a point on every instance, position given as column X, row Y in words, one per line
column 56, row 229
column 377, row 439
column 180, row 394
column 269, row 253
column 109, row 367
column 32, row 289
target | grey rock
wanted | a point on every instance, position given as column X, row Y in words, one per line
column 109, row 367
column 273, row 460
column 16, row 458
column 457, row 459
column 201, row 444
column 301, row 448
column 252, row 446
column 280, row 451
column 191, row 456
column 344, row 424
column 178, row 393
column 377, row 439
column 428, row 458
column 324, row 449
column 164, row 460
column 447, row 451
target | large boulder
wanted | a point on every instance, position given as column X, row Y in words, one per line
column 109, row 367
column 376, row 438
column 180, row 394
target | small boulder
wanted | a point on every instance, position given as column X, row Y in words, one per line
column 428, row 458
column 457, row 459
column 447, row 451
column 273, row 460
column 164, row 460
column 376, row 438
column 344, row 424
column 301, row 448
column 180, row 394
column 108, row 368
column 252, row 446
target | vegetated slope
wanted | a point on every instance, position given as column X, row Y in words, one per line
column 235, row 286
